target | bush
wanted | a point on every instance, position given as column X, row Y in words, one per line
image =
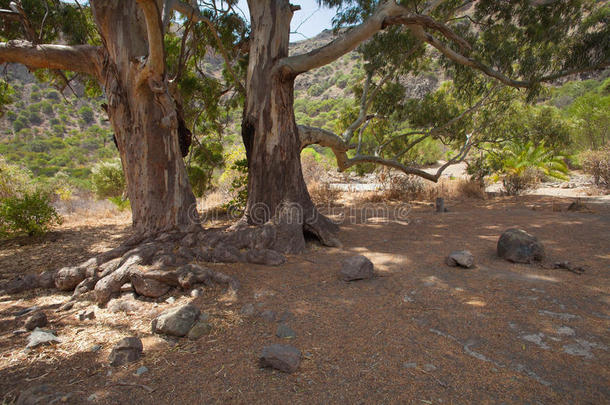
column 108, row 179
column 597, row 164
column 397, row 186
column 239, row 187
column 86, row 113
column 31, row 213
column 323, row 194
column 517, row 183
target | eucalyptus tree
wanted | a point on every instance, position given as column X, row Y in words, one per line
column 517, row 43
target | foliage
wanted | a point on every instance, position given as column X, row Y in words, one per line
column 120, row 202
column 323, row 194
column 239, row 187
column 597, row 164
column 30, row 213
column 204, row 158
column 108, row 179
column 13, row 179
column 523, row 165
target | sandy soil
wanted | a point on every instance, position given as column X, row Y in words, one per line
column 420, row 332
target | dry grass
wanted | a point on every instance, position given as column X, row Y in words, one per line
column 323, row 194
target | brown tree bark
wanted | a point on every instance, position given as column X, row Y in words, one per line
column 144, row 115
column 276, row 188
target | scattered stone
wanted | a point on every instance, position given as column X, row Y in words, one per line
column 560, row 315
column 37, row 320
column 148, row 287
column 141, row 370
column 356, row 268
column 461, row 258
column 196, row 293
column 281, row 357
column 569, row 267
column 39, row 395
column 170, row 300
column 65, row 306
column 266, row 257
column 566, row 330
column 429, row 367
column 410, row 365
column 285, row 317
column 268, row 315
column 125, row 288
column 41, row 336
column 199, row 329
column 126, row 350
column 536, row 338
column 68, row 278
column 176, row 321
column 96, row 348
column 285, row 332
column 26, row 311
column 92, row 398
column 122, row 305
column 518, row 246
column 86, row 314
column 247, row 310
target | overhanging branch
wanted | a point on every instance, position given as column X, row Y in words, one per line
column 76, row 58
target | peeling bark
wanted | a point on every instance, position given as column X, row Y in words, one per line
column 276, row 190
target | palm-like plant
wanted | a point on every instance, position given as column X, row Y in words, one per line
column 522, row 165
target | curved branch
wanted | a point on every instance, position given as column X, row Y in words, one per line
column 154, row 29
column 76, row 58
column 195, row 15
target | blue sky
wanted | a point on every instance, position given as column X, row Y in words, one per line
column 311, row 18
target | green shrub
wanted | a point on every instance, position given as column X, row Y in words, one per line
column 239, row 187
column 31, row 213
column 108, row 179
column 120, row 203
column 86, row 113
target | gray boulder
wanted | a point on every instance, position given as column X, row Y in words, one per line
column 148, row 287
column 126, row 351
column 176, row 321
column 199, row 329
column 37, row 320
column 461, row 258
column 41, row 337
column 356, row 268
column 518, row 246
column 285, row 358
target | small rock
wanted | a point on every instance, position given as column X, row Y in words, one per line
column 357, row 268
column 65, row 306
column 41, row 336
column 461, row 258
column 37, row 320
column 285, row 332
column 200, row 329
column 170, row 300
column 518, row 246
column 566, row 330
column 96, row 348
column 196, row 293
column 176, row 321
column 122, row 305
column 268, row 315
column 281, row 357
column 39, row 395
column 26, row 311
column 410, row 365
column 148, row 287
column 285, row 316
column 429, row 367
column 86, row 314
column 127, row 350
column 92, row 398
column 141, row 370
column 247, row 310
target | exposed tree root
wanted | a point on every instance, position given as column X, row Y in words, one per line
column 154, row 265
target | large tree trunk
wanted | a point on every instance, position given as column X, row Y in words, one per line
column 144, row 118
column 276, row 189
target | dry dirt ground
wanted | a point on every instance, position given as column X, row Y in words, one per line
column 420, row 332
